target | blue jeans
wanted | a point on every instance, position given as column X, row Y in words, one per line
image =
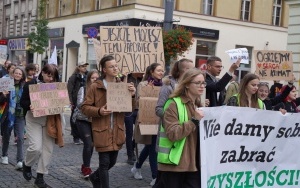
column 130, row 118
column 85, row 132
column 149, row 150
column 19, row 129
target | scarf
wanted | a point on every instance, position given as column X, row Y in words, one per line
column 14, row 98
column 155, row 81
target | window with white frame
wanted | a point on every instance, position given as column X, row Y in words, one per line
column 119, row 2
column 59, row 7
column 97, row 4
column 276, row 17
column 245, row 10
column 29, row 24
column 244, row 68
column 208, row 7
column 77, row 6
column 204, row 50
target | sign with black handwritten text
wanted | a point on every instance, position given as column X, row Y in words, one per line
column 48, row 98
column 241, row 53
column 118, row 97
column 6, row 84
column 259, row 149
column 274, row 65
column 134, row 48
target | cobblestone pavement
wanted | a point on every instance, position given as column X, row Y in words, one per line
column 64, row 171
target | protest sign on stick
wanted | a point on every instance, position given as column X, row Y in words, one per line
column 241, row 53
column 274, row 65
column 48, row 98
column 134, row 48
column 118, row 97
column 249, row 150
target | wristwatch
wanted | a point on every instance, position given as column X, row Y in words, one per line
column 195, row 121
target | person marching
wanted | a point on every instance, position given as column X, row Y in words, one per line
column 84, row 125
column 180, row 166
column 39, row 129
column 153, row 76
column 107, row 126
column 13, row 117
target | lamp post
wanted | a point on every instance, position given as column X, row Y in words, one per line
column 168, row 20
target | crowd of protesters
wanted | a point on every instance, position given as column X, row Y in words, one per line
column 173, row 152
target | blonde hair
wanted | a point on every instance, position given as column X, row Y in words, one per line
column 186, row 79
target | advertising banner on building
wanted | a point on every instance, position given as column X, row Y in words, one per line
column 246, row 147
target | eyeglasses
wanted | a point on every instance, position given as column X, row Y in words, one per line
column 199, row 83
column 113, row 66
column 219, row 67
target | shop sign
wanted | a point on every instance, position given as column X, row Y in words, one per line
column 18, row 44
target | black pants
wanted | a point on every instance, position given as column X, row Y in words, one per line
column 106, row 161
column 85, row 131
column 179, row 180
column 130, row 118
column 74, row 130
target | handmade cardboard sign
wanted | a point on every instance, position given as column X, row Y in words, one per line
column 6, row 84
column 148, row 121
column 274, row 65
column 235, row 54
column 134, row 48
column 118, row 97
column 48, row 98
column 3, row 54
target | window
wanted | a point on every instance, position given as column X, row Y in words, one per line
column 97, row 5
column 119, row 2
column 164, row 3
column 7, row 27
column 276, row 12
column 245, row 10
column 208, row 7
column 29, row 24
column 22, row 25
column 244, row 68
column 204, row 49
column 77, row 6
column 16, row 26
column 59, row 7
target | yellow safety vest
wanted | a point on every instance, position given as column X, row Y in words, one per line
column 260, row 102
column 170, row 152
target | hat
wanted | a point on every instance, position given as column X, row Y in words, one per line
column 82, row 63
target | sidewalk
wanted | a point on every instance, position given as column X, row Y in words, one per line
column 64, row 170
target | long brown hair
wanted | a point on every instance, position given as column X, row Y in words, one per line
column 177, row 67
column 88, row 77
column 242, row 92
column 186, row 79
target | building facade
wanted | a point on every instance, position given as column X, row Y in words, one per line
column 17, row 22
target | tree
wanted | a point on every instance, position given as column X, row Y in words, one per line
column 38, row 39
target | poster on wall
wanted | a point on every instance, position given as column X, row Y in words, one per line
column 274, row 65
column 134, row 48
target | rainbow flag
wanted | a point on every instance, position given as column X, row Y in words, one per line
column 2, row 108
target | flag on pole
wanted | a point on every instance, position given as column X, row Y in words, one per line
column 53, row 58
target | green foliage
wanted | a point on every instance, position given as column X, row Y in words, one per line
column 38, row 40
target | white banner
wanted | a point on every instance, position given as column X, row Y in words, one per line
column 246, row 147
column 242, row 53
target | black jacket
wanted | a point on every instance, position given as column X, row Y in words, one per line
column 213, row 87
column 269, row 103
column 25, row 98
column 75, row 82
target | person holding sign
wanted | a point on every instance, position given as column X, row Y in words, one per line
column 84, row 125
column 247, row 96
column 179, row 146
column 153, row 77
column 13, row 117
column 107, row 126
column 215, row 88
column 40, row 143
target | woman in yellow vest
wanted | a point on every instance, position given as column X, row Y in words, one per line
column 247, row 96
column 178, row 148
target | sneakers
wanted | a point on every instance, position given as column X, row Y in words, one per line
column 152, row 182
column 136, row 172
column 86, row 171
column 77, row 141
column 4, row 160
column 19, row 165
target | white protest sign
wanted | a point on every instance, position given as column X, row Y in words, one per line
column 242, row 53
column 246, row 147
column 6, row 84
